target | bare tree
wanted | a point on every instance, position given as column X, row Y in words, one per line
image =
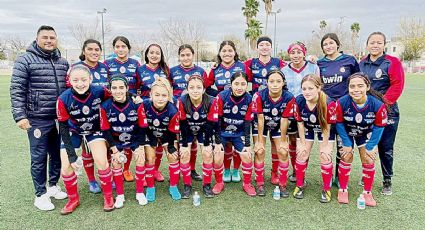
column 412, row 35
column 84, row 31
column 17, row 45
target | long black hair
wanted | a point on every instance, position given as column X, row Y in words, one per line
column 82, row 57
column 162, row 64
column 277, row 71
column 230, row 43
column 206, row 99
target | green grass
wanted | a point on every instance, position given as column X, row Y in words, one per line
column 232, row 209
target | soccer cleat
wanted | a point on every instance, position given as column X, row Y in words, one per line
column 218, row 188
column 274, row 178
column 44, row 203
column 158, row 176
column 55, row 192
column 284, row 193
column 369, row 200
column 94, row 187
column 208, row 193
column 174, row 192
column 298, row 192
column 261, row 191
column 292, row 178
column 108, row 203
column 70, row 206
column 187, row 191
column 236, row 177
column 141, row 198
column 386, row 189
column 119, row 201
column 227, row 175
column 128, row 176
column 249, row 189
column 326, row 196
column 195, row 175
column 150, row 194
column 343, row 196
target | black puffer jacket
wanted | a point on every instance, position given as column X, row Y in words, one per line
column 38, row 79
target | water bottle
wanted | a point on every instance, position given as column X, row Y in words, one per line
column 361, row 203
column 79, row 163
column 276, row 193
column 196, row 199
column 122, row 158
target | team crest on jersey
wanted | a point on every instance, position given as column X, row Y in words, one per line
column 96, row 75
column 313, row 118
column 264, row 72
column 86, row 110
column 156, row 122
column 359, row 117
column 122, row 117
column 195, row 115
column 342, row 69
column 186, row 77
column 37, row 133
column 227, row 74
column 378, row 73
column 235, row 109
column 274, row 111
column 122, row 69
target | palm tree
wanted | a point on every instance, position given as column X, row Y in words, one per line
column 268, row 6
column 355, row 28
column 253, row 32
column 323, row 24
column 250, row 9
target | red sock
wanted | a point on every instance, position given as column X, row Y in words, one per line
column 293, row 155
column 71, row 186
column 140, row 178
column 218, row 173
column 236, row 160
column 283, row 173
column 247, row 172
column 159, row 152
column 129, row 154
column 343, row 174
column 327, row 170
column 174, row 172
column 207, row 171
column 105, row 177
column 275, row 162
column 185, row 169
column 88, row 164
column 150, row 180
column 300, row 168
column 193, row 155
column 368, row 176
column 259, row 173
column 228, row 152
column 118, row 180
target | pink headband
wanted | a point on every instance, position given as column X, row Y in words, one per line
column 297, row 46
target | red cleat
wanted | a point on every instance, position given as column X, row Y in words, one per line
column 249, row 189
column 70, row 206
column 369, row 200
column 108, row 203
column 218, row 188
column 275, row 178
column 343, row 196
column 158, row 176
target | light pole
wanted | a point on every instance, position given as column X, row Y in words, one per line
column 103, row 33
column 275, row 25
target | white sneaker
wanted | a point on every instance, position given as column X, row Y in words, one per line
column 141, row 198
column 119, row 201
column 44, row 203
column 56, row 192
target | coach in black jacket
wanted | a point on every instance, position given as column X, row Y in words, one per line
column 38, row 79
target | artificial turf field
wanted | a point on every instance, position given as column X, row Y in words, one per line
column 232, row 209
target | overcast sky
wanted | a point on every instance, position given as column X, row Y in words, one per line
column 220, row 17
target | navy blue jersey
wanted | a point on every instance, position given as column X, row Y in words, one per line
column 335, row 73
column 197, row 116
column 272, row 110
column 386, row 75
column 310, row 117
column 220, row 76
column 360, row 121
column 179, row 76
column 161, row 122
column 147, row 77
column 128, row 69
column 82, row 115
column 233, row 113
column 99, row 73
column 257, row 71
column 123, row 122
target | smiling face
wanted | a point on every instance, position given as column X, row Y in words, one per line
column 310, row 91
column 159, row 95
column 119, row 90
column 80, row 81
column 376, row 45
column 275, row 83
column 329, row 47
column 195, row 89
column 154, row 55
column 186, row 58
column 239, row 86
column 227, row 54
column 92, row 52
column 296, row 56
column 46, row 40
column 264, row 48
column 357, row 89
column 121, row 49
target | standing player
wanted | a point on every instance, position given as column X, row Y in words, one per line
column 179, row 76
column 154, row 68
column 198, row 118
column 270, row 105
column 78, row 116
column 123, row 123
column 235, row 112
column 163, row 121
column 227, row 65
column 387, row 77
column 126, row 66
column 314, row 114
column 361, row 117
column 294, row 72
column 335, row 68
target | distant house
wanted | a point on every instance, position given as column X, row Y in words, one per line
column 394, row 47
